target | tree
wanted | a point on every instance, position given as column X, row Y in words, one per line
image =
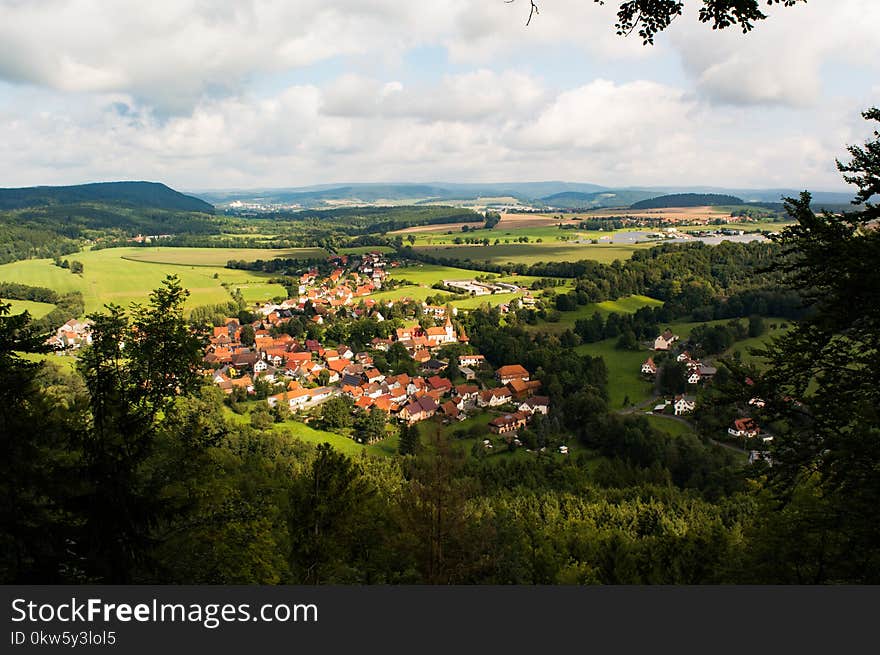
column 654, row 16
column 408, row 443
column 672, row 377
column 134, row 369
column 756, row 326
column 261, row 418
column 822, row 381
column 336, row 413
column 370, row 425
column 247, row 336
column 37, row 461
column 434, row 510
column 324, row 517
column 76, row 267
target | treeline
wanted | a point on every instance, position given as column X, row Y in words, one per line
column 687, row 200
column 23, row 242
column 285, row 265
column 58, row 230
column 354, row 221
column 67, row 305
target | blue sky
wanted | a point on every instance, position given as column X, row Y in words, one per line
column 272, row 93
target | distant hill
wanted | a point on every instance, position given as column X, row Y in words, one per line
column 130, row 194
column 596, row 199
column 687, row 200
column 369, row 193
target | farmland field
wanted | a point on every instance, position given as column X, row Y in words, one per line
column 627, row 305
column 428, row 274
column 218, row 256
column 360, row 250
column 35, row 309
column 493, row 299
column 532, row 253
column 111, row 276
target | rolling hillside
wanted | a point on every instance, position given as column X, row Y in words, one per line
column 152, row 195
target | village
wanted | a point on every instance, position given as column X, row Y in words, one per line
column 302, row 373
column 697, row 373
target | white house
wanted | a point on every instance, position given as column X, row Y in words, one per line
column 649, row 367
column 665, row 340
column 683, row 405
column 744, row 427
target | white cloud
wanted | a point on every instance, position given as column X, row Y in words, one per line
column 168, row 90
column 781, row 62
column 636, row 133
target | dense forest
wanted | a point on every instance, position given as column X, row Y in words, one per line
column 132, row 194
column 687, row 200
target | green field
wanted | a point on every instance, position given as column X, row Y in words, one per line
column 478, row 301
column 254, row 292
column 218, row 256
column 360, row 250
column 671, row 427
column 313, row 436
column 746, row 345
column 624, row 376
column 533, row 253
column 35, row 309
column 111, row 276
column 627, row 305
column 408, row 291
column 428, row 274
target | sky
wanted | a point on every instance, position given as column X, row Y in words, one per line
column 271, row 93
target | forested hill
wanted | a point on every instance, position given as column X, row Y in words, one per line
column 687, row 200
column 153, row 195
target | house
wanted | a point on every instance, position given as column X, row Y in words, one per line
column 441, row 384
column 450, row 410
column 757, row 402
column 419, row 410
column 468, row 373
column 744, row 428
column 511, row 372
column 434, row 366
column 471, row 360
column 665, row 340
column 659, row 409
column 467, row 392
column 520, row 389
column 683, row 405
column 494, row 397
column 507, row 423
column 295, row 399
column 320, row 394
column 693, row 377
column 649, row 367
column 707, row 372
column 535, row 404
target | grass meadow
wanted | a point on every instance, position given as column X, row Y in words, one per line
column 35, row 309
column 112, row 276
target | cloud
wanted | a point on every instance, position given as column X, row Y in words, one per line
column 468, row 97
column 634, row 133
column 269, row 92
column 782, row 61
